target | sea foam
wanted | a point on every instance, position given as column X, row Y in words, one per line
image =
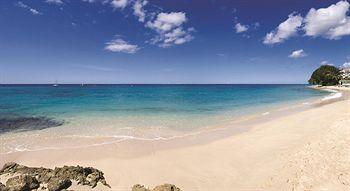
column 334, row 95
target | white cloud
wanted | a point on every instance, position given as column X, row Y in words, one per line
column 119, row 3
column 331, row 22
column 285, row 30
column 346, row 65
column 119, row 45
column 176, row 36
column 325, row 62
column 169, row 27
column 339, row 31
column 34, row 11
column 297, row 54
column 24, row 6
column 57, row 2
column 139, row 11
column 167, row 21
column 241, row 28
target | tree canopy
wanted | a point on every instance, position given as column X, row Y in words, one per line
column 325, row 75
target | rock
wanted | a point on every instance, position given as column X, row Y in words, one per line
column 139, row 187
column 3, row 187
column 93, row 179
column 9, row 168
column 22, row 183
column 26, row 123
column 44, row 175
column 83, row 175
column 164, row 187
column 56, row 184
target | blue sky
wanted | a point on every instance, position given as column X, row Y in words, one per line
column 168, row 41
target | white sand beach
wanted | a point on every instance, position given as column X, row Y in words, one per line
column 307, row 150
column 176, row 95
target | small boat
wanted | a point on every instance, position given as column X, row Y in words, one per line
column 55, row 84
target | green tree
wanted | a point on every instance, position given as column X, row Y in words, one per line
column 325, row 75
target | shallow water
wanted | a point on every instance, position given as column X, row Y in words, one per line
column 97, row 109
column 104, row 114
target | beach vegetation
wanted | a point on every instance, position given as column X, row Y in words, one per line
column 326, row 75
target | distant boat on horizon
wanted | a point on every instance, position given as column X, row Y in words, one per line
column 55, row 84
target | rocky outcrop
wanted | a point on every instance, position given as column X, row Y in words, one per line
column 3, row 187
column 26, row 123
column 56, row 179
column 22, row 183
column 57, row 184
column 30, row 178
column 164, row 187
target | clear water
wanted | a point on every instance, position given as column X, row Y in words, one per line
column 94, row 109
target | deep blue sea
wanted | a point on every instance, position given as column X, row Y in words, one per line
column 100, row 109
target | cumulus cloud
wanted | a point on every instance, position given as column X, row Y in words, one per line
column 331, row 22
column 119, row 3
column 241, row 28
column 24, row 6
column 119, row 45
column 297, row 54
column 57, row 2
column 167, row 21
column 169, row 27
column 139, row 11
column 285, row 30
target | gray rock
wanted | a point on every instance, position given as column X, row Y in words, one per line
column 166, row 187
column 22, row 183
column 9, row 167
column 139, row 187
column 3, row 187
column 26, row 123
column 83, row 175
column 56, row 184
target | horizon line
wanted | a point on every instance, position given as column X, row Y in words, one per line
column 156, row 84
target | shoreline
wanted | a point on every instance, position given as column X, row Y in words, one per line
column 203, row 135
column 273, row 148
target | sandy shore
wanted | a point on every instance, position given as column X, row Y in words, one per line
column 308, row 150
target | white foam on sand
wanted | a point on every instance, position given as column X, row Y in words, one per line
column 334, row 95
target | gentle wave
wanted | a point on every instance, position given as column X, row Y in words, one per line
column 334, row 95
column 118, row 139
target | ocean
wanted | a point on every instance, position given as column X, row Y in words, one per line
column 143, row 111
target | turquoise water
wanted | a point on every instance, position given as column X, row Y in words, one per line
column 94, row 109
